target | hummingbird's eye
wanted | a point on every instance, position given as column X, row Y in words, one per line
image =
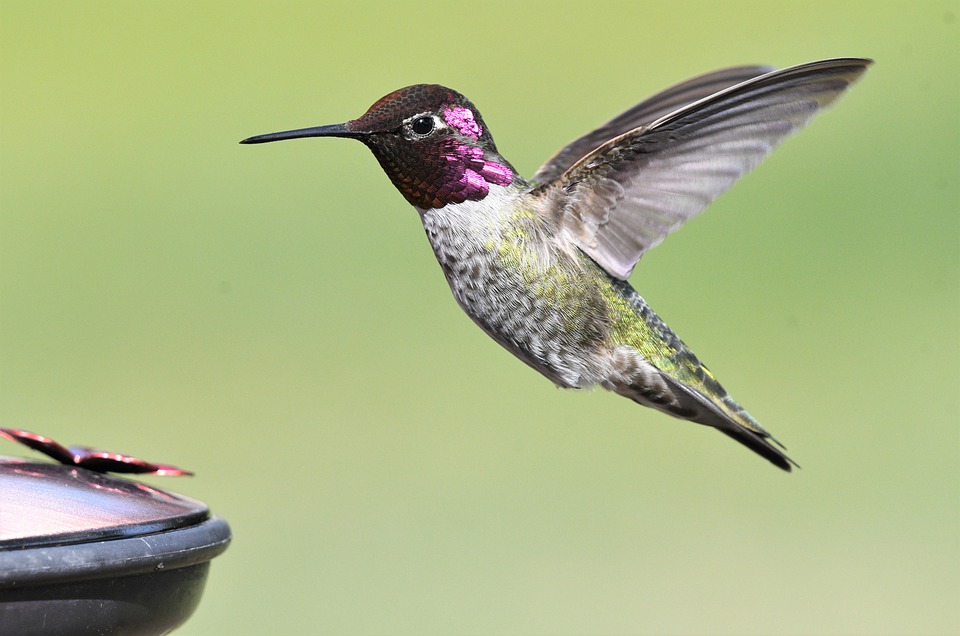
column 422, row 125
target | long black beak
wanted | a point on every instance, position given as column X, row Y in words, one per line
column 333, row 130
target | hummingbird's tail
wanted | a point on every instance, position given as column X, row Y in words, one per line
column 732, row 420
column 653, row 367
column 669, row 396
column 762, row 446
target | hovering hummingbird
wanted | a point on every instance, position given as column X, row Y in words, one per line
column 542, row 265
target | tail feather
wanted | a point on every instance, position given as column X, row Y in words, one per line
column 737, row 424
column 762, row 446
column 673, row 398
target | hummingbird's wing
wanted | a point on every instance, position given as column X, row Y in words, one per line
column 627, row 195
column 645, row 112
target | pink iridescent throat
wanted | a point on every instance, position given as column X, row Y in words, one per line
column 470, row 175
column 473, row 182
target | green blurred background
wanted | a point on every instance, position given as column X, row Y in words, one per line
column 273, row 318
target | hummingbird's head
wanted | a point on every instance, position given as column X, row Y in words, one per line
column 430, row 140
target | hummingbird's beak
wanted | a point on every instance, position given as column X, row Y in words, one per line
column 333, row 130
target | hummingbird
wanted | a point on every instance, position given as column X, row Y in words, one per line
column 541, row 265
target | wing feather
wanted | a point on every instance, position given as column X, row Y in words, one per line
column 629, row 193
column 645, row 112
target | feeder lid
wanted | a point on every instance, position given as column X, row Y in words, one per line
column 44, row 504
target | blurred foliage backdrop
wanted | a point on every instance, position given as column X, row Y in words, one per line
column 273, row 318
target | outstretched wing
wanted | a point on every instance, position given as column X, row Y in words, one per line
column 645, row 112
column 628, row 194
